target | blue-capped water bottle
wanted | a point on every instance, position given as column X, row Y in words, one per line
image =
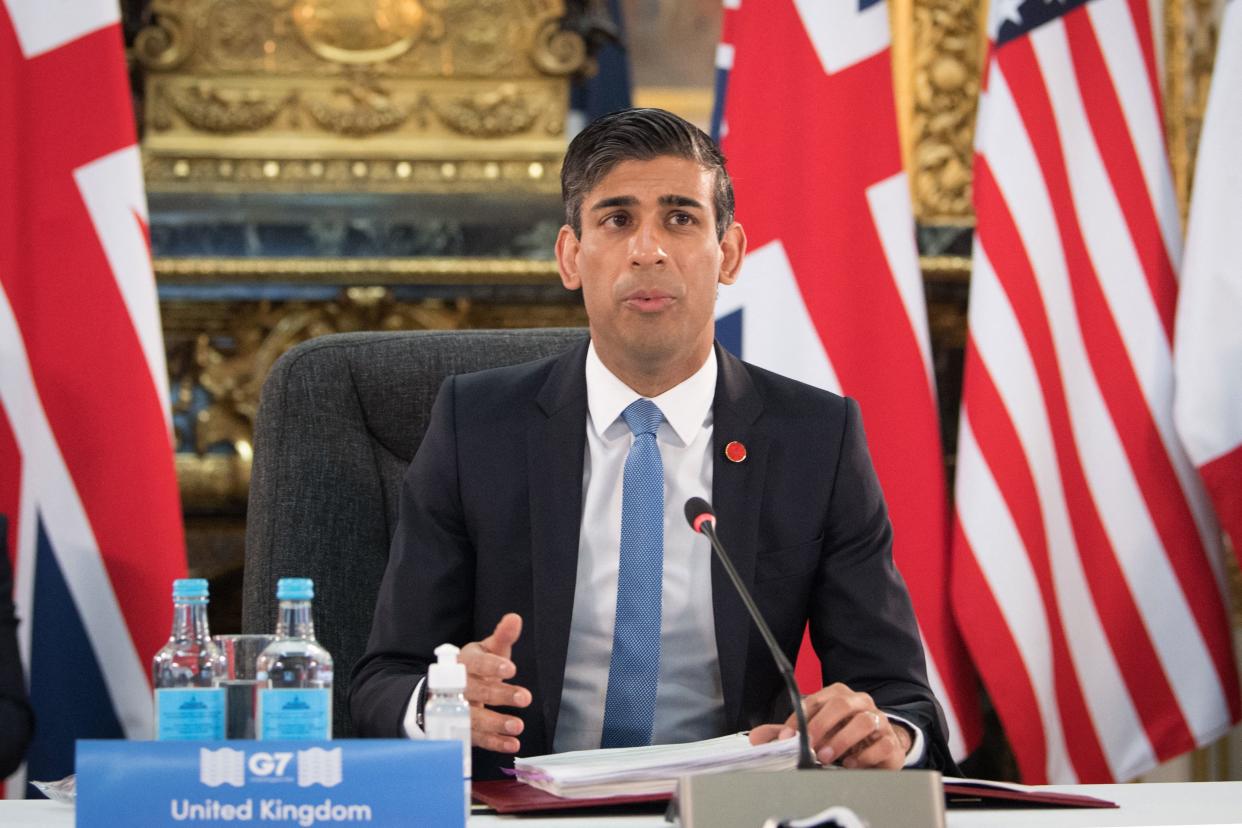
column 294, row 671
column 186, row 672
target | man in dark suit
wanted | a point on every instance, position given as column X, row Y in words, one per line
column 541, row 527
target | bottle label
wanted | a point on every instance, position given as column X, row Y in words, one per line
column 294, row 713
column 189, row 713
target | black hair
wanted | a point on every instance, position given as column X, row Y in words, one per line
column 639, row 135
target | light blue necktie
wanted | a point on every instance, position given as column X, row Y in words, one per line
column 629, row 711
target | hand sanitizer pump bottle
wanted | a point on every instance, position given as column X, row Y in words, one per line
column 186, row 672
column 447, row 713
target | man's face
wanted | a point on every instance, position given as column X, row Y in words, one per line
column 648, row 263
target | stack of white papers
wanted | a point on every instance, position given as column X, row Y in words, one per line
column 589, row 774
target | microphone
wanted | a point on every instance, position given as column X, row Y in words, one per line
column 702, row 519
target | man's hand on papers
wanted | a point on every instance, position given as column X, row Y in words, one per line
column 846, row 727
column 487, row 667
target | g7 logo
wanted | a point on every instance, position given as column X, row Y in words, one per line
column 267, row 764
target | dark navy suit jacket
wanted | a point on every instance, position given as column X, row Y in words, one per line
column 489, row 524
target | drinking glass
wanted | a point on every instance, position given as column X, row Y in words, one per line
column 240, row 685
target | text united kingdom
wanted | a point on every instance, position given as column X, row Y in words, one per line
column 304, row 814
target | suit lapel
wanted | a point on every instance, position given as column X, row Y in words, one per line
column 555, row 446
column 737, row 491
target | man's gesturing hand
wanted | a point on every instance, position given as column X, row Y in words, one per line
column 487, row 667
column 845, row 726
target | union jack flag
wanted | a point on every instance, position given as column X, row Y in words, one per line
column 86, row 465
column 831, row 292
column 1086, row 562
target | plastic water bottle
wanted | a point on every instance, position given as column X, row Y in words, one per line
column 186, row 672
column 447, row 713
column 294, row 671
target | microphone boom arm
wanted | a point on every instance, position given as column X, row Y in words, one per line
column 806, row 760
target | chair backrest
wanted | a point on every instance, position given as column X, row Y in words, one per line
column 339, row 420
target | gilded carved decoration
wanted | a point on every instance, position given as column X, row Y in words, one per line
column 166, row 43
column 278, row 92
column 492, row 114
column 397, row 39
column 359, row 109
column 938, row 48
column 231, row 362
column 948, row 54
column 365, row 31
column 453, row 271
column 209, row 108
column 1191, row 29
column 365, row 175
column 558, row 52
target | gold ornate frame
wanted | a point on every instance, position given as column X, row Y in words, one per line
column 356, row 95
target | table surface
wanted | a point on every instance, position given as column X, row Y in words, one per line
column 1168, row 804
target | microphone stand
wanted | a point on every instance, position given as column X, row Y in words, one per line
column 910, row 799
column 806, row 760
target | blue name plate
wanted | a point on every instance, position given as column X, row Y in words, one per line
column 282, row 784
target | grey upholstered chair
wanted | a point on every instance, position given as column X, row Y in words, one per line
column 340, row 419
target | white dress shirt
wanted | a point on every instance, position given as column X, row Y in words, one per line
column 689, row 700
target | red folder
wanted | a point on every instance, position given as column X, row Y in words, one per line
column 980, row 792
column 508, row 796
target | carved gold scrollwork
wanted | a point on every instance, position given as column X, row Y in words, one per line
column 168, row 41
column 358, row 109
column 556, row 51
column 555, row 123
column 238, row 33
column 492, row 114
column 231, row 364
column 219, row 109
column 159, row 110
column 354, row 270
column 946, row 88
column 351, row 95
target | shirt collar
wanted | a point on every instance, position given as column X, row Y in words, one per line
column 686, row 406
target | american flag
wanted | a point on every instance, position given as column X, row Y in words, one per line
column 85, row 445
column 831, row 292
column 1086, row 565
column 1208, row 341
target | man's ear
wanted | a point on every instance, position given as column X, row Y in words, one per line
column 733, row 250
column 567, row 246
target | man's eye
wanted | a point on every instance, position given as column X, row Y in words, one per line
column 617, row 220
column 683, row 219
